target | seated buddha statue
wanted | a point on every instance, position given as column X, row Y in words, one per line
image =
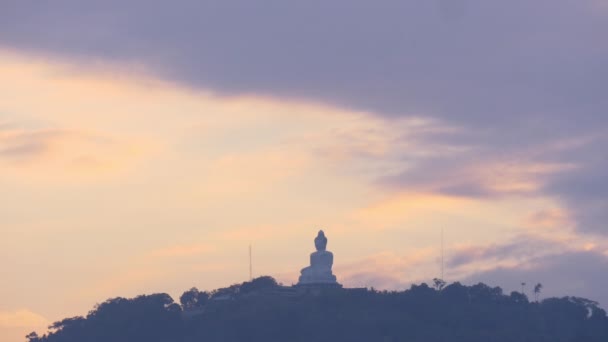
column 321, row 261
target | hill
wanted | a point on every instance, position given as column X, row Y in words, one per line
column 262, row 310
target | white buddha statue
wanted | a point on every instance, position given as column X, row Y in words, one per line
column 321, row 261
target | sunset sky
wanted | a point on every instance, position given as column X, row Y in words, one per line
column 145, row 144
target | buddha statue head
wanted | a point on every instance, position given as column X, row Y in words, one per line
column 321, row 241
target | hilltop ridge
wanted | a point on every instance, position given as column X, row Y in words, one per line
column 263, row 310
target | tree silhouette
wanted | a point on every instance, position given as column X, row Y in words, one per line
column 537, row 288
column 193, row 299
column 33, row 337
column 438, row 284
column 261, row 310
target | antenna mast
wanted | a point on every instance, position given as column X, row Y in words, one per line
column 442, row 254
column 250, row 265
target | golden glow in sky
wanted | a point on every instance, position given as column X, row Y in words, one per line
column 117, row 184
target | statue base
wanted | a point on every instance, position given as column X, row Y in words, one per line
column 319, row 285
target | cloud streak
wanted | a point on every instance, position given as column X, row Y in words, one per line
column 572, row 273
column 22, row 319
column 80, row 154
column 19, row 145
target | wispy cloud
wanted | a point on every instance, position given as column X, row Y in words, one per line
column 22, row 319
column 23, row 146
column 549, row 219
column 388, row 270
column 574, row 273
column 64, row 152
column 177, row 251
column 473, row 262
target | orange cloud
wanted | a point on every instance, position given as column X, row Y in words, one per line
column 402, row 206
column 64, row 153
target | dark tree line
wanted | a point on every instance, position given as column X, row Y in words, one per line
column 260, row 311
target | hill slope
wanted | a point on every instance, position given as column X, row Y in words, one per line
column 261, row 310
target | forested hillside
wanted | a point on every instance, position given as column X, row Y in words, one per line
column 262, row 310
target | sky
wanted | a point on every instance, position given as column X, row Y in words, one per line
column 144, row 145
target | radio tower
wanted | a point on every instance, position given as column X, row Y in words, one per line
column 442, row 254
column 250, row 265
